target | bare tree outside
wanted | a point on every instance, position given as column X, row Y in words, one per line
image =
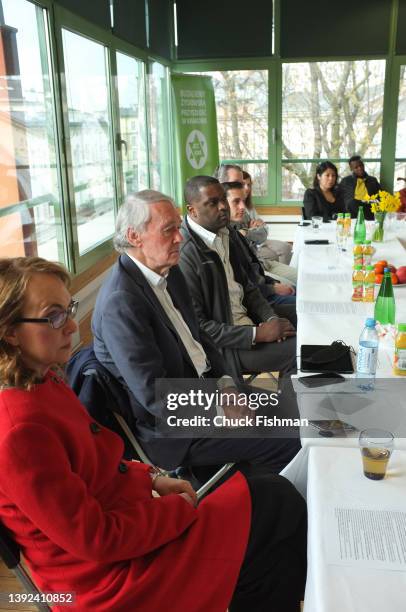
column 400, row 158
column 330, row 110
column 242, row 120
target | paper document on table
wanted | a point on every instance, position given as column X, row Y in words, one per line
column 334, row 308
column 366, row 538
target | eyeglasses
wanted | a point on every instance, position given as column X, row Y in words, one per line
column 56, row 319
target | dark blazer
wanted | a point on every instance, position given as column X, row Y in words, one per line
column 207, row 283
column 347, row 188
column 315, row 204
column 135, row 340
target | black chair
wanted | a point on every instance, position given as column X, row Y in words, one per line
column 107, row 402
column 10, row 553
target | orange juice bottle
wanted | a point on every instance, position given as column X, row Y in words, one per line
column 399, row 363
column 368, row 293
column 358, row 255
column 347, row 224
column 357, row 283
column 367, row 252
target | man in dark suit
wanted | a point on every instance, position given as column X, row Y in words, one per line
column 145, row 329
column 357, row 186
column 229, row 307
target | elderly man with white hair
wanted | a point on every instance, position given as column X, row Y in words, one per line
column 145, row 329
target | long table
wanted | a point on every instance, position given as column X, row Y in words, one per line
column 326, row 313
column 335, row 482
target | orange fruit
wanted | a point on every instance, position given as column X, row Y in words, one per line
column 378, row 278
column 379, row 269
column 382, row 262
column 394, row 278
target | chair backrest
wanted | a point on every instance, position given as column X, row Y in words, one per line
column 107, row 402
column 10, row 553
column 104, row 398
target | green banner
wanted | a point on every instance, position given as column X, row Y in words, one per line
column 194, row 110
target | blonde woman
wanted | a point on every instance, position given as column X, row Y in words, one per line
column 87, row 521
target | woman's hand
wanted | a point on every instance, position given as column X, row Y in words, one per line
column 166, row 486
column 256, row 223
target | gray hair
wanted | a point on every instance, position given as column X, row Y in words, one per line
column 135, row 213
column 221, row 172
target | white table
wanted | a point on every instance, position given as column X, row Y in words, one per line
column 335, row 479
column 324, row 284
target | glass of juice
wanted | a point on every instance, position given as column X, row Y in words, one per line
column 376, row 448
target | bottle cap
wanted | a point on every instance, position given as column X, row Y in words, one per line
column 340, row 215
column 367, row 242
column 358, row 267
column 370, row 322
column 386, row 270
column 347, row 215
column 401, row 327
column 370, row 267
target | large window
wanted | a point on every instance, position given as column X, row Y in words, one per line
column 90, row 137
column 160, row 168
column 400, row 159
column 133, row 146
column 30, row 198
column 330, row 110
column 242, row 121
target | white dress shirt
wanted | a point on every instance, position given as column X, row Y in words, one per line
column 158, row 286
column 220, row 243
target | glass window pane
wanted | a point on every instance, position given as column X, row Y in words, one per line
column 242, row 121
column 400, row 162
column 159, row 140
column 28, row 150
column 132, row 123
column 90, row 139
column 330, row 110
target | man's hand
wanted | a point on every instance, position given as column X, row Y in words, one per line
column 234, row 403
column 166, row 486
column 281, row 289
column 274, row 331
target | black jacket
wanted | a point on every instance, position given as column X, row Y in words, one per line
column 138, row 344
column 207, row 283
column 347, row 188
column 315, row 204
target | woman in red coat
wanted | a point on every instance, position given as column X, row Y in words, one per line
column 87, row 521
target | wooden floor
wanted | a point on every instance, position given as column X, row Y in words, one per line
column 10, row 584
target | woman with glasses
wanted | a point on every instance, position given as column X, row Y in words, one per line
column 87, row 521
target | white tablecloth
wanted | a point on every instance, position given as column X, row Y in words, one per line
column 335, row 479
column 326, row 313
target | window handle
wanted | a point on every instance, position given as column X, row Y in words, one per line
column 273, row 135
column 120, row 142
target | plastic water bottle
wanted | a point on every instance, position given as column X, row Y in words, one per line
column 340, row 230
column 367, row 355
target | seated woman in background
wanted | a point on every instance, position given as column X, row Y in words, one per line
column 86, row 520
column 324, row 200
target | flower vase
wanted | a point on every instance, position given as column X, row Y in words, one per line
column 379, row 231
